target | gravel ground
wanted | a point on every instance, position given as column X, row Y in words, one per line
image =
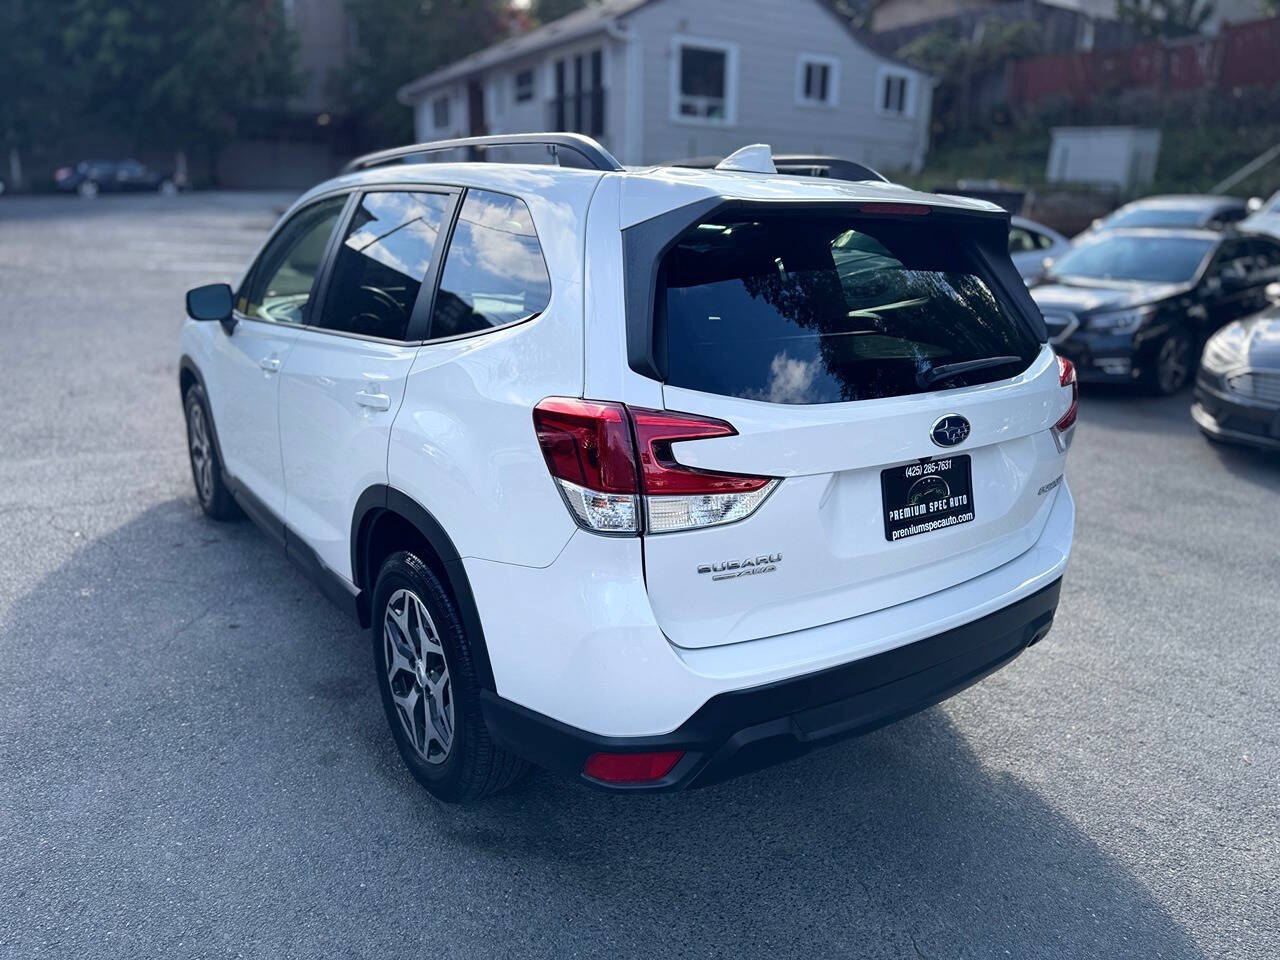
column 194, row 760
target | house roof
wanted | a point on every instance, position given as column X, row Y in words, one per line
column 591, row 19
column 594, row 18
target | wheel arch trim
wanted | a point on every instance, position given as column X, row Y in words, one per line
column 383, row 499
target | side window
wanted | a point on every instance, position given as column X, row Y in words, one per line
column 1021, row 241
column 1043, row 241
column 280, row 283
column 382, row 262
column 1232, row 261
column 494, row 273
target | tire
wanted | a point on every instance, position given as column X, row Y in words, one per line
column 1173, row 365
column 206, row 464
column 87, row 189
column 432, row 695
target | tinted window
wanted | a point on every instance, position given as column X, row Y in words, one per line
column 1146, row 257
column 493, row 273
column 280, row 285
column 798, row 310
column 1021, row 241
column 382, row 262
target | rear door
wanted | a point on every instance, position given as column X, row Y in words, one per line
column 882, row 371
column 345, row 375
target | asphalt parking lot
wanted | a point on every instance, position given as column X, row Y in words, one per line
column 194, row 761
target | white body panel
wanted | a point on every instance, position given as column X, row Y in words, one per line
column 243, row 395
column 334, row 431
column 826, row 519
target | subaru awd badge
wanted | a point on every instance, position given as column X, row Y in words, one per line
column 950, row 430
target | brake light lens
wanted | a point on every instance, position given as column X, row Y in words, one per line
column 1065, row 428
column 631, row 767
column 615, row 468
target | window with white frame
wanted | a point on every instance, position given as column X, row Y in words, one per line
column 524, row 86
column 704, row 79
column 817, row 79
column 894, row 93
column 440, row 111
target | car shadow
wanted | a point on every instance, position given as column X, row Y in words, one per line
column 202, row 742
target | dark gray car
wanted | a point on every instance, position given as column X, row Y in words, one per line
column 1238, row 385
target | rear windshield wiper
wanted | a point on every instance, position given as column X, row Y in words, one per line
column 931, row 376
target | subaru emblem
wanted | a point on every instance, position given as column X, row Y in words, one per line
column 950, row 430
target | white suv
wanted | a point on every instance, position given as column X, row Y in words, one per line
column 648, row 476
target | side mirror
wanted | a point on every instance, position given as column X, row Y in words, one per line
column 210, row 302
column 1047, row 264
column 1272, row 293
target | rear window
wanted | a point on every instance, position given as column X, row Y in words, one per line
column 805, row 310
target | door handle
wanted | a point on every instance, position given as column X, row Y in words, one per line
column 270, row 364
column 374, row 401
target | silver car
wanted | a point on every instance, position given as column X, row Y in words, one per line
column 1031, row 243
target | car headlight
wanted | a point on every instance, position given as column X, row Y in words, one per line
column 1121, row 321
column 1224, row 350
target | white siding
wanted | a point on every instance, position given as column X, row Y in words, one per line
column 770, row 37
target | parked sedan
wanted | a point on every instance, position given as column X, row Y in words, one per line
column 1135, row 305
column 89, row 177
column 1238, row 387
column 1174, row 212
column 1031, row 243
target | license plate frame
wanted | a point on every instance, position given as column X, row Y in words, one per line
column 926, row 496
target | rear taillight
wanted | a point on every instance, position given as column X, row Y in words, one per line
column 615, row 467
column 1065, row 428
column 61, row 174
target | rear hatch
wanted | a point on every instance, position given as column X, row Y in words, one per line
column 875, row 360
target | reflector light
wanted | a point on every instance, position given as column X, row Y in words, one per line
column 1064, row 429
column 892, row 209
column 631, row 767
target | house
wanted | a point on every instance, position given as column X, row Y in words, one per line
column 658, row 80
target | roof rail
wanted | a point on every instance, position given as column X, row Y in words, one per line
column 569, row 149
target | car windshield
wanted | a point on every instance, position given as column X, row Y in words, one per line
column 1157, row 217
column 1139, row 258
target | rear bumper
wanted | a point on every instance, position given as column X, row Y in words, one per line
column 743, row 730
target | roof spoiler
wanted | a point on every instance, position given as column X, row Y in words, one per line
column 568, row 149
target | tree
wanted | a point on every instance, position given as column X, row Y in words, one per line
column 40, row 94
column 1166, row 18
column 192, row 70
column 399, row 41
column 960, row 60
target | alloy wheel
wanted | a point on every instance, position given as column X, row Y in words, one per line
column 201, row 452
column 418, row 675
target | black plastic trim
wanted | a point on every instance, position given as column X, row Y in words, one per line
column 380, row 498
column 742, row 730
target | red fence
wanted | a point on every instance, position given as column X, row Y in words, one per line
column 1241, row 55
